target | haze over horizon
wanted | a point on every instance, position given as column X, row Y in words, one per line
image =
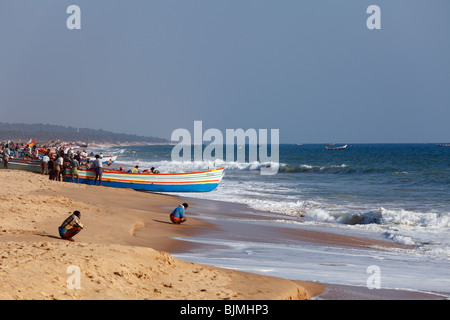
column 311, row 69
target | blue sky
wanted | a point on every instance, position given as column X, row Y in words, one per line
column 311, row 69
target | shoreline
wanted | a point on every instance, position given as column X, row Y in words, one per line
column 122, row 253
column 234, row 230
column 128, row 243
column 235, row 210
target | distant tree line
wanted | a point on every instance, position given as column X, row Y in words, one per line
column 47, row 132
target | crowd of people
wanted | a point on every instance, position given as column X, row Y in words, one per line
column 25, row 150
column 57, row 159
column 54, row 163
column 11, row 149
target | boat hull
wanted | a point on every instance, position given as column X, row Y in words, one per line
column 24, row 164
column 337, row 148
column 204, row 181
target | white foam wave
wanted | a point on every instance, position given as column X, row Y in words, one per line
column 271, row 198
column 401, row 226
column 186, row 166
column 398, row 238
column 341, row 168
column 412, row 218
column 190, row 166
column 382, row 216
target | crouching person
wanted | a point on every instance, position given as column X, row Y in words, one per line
column 178, row 215
column 71, row 226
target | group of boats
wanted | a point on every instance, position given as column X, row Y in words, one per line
column 203, row 181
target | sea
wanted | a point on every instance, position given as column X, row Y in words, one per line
column 394, row 192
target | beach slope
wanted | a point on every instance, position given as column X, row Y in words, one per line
column 121, row 254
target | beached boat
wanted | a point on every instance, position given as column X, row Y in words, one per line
column 336, row 148
column 105, row 159
column 203, row 181
column 28, row 164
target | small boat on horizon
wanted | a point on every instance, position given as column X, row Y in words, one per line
column 336, row 148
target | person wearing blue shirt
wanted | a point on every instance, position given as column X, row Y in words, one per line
column 178, row 215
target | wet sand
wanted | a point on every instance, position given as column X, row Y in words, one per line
column 228, row 217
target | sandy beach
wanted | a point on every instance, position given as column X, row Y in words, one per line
column 122, row 253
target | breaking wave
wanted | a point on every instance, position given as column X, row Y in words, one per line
column 186, row 166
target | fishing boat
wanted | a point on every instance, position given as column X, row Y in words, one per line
column 28, row 164
column 203, row 181
column 336, row 148
column 31, row 142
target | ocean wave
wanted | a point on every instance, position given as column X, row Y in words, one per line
column 341, row 214
column 399, row 225
column 401, row 239
column 342, row 168
column 419, row 219
column 387, row 217
column 185, row 166
column 168, row 166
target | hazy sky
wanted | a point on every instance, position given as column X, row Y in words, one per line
column 311, row 69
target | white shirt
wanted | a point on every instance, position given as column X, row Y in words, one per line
column 98, row 163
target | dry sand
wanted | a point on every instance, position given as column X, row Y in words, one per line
column 121, row 253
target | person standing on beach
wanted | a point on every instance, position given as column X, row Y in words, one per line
column 51, row 168
column 59, row 166
column 71, row 226
column 75, row 165
column 44, row 162
column 6, row 156
column 178, row 215
column 98, row 167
